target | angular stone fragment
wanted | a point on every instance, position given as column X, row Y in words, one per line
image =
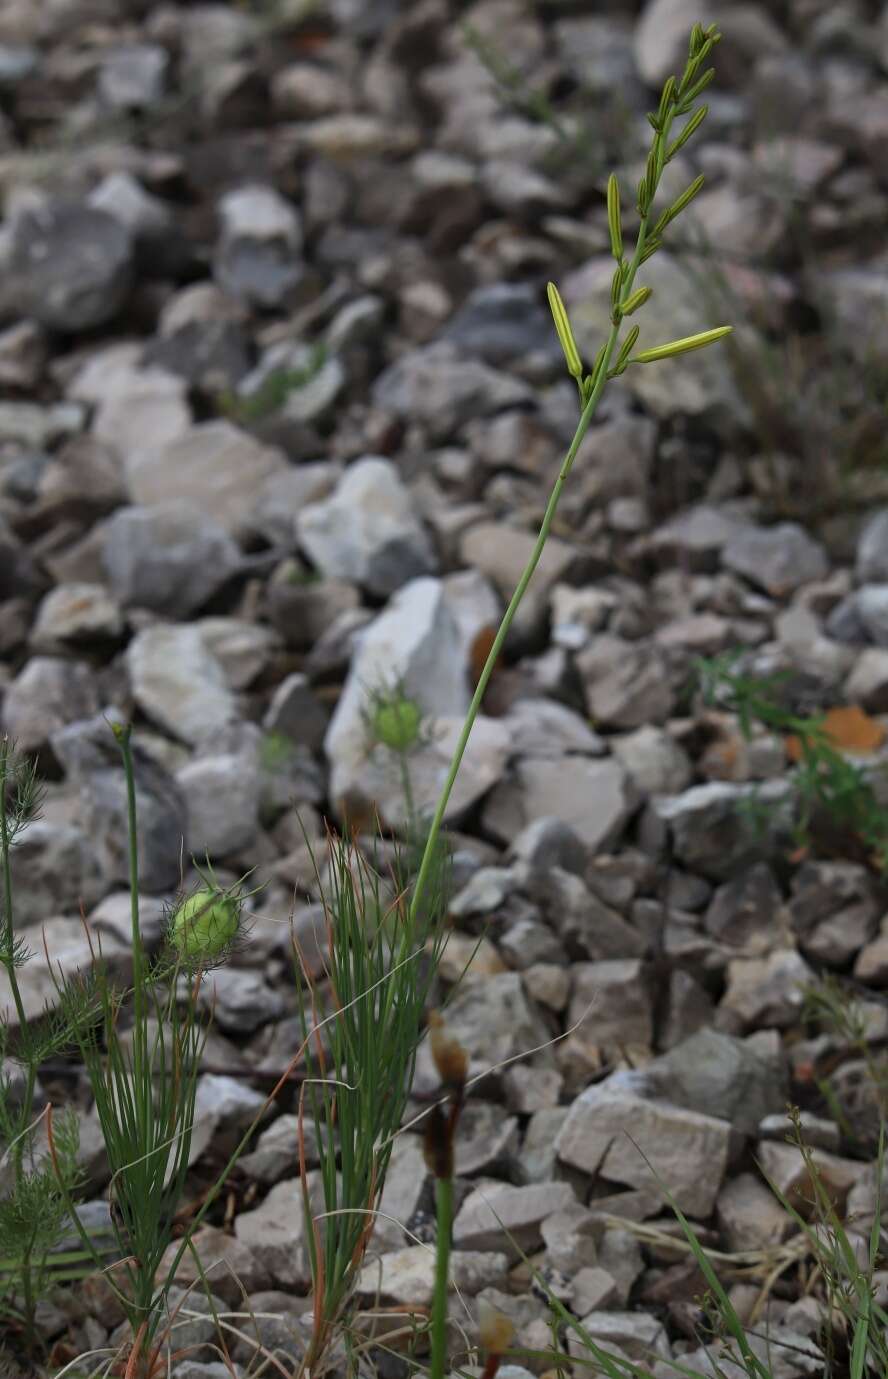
column 687, row 1150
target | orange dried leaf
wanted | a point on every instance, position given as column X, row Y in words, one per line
column 848, row 728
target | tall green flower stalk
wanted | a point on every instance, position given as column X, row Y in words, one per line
column 617, row 353
column 615, row 356
column 33, row 1210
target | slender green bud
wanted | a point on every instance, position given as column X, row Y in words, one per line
column 613, row 216
column 616, row 294
column 653, row 122
column 674, row 347
column 590, row 382
column 205, row 924
column 565, row 334
column 626, row 349
column 638, row 298
column 690, row 128
column 650, row 248
column 680, row 204
column 696, row 90
column 696, row 39
column 666, row 99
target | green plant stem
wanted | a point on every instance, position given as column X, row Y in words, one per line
column 444, row 1230
column 521, row 588
column 7, row 885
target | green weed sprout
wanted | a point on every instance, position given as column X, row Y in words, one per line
column 33, row 1205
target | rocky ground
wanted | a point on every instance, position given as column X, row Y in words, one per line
column 281, row 407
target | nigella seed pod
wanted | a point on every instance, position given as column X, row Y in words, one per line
column 396, row 722
column 205, row 925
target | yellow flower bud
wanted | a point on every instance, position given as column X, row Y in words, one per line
column 674, row 347
column 565, row 334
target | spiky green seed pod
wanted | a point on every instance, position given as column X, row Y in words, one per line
column 684, row 346
column 613, row 217
column 564, row 332
column 205, row 924
column 396, row 722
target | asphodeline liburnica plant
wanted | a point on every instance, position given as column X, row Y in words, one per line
column 144, row 1081
column 619, row 351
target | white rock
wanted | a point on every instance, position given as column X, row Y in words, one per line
column 689, row 1151
column 595, row 797
column 213, row 464
column 367, row 531
column 178, row 682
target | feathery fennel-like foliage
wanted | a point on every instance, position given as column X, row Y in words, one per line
column 33, row 1199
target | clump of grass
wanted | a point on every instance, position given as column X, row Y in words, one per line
column 828, row 788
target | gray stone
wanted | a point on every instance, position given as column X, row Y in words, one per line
column 499, row 1217
column 415, row 643
column 596, row 798
column 501, row 552
column 130, row 402
column 614, row 1002
column 711, row 833
column 224, row 1109
column 750, row 1216
column 148, row 219
column 687, row 1150
column 718, row 1075
column 275, row 1231
column 243, row 649
column 872, row 611
column 70, row 266
column 32, row 426
column 654, row 760
column 766, row 991
column 296, row 712
column 76, row 613
column 503, row 324
column 241, row 1001
column 171, row 558
column 178, row 682
column 867, row 685
column 258, row 255
column 69, row 951
column 54, row 871
column 545, row 728
column 587, row 926
column 90, row 757
column 221, row 793
column 213, row 465
column 636, row 1334
column 626, row 685
column 367, row 531
column 22, row 355
column 494, row 1021
column 47, row 693
column 132, row 76
column 439, row 388
column 778, row 559
column 746, row 911
column 546, row 843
